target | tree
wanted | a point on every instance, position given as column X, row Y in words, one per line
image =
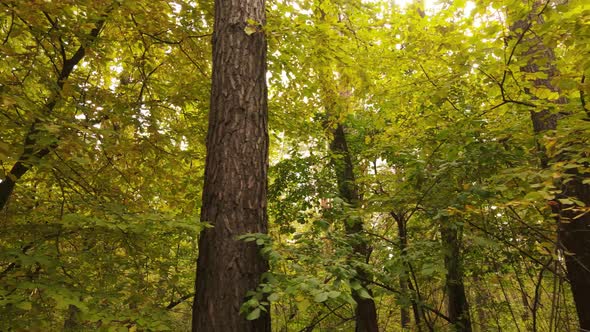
column 407, row 181
column 37, row 141
column 573, row 222
column 90, row 221
column 234, row 194
column 365, row 311
column 458, row 307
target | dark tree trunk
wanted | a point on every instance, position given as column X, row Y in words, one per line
column 404, row 310
column 406, row 287
column 417, row 308
column 573, row 233
column 72, row 322
column 234, row 194
column 404, row 277
column 573, row 230
column 366, row 313
column 457, row 300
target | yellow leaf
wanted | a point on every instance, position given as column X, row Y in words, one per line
column 250, row 29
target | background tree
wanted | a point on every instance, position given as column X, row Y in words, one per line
column 574, row 224
column 434, row 99
column 87, row 230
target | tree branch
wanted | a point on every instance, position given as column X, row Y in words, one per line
column 179, row 301
column 32, row 154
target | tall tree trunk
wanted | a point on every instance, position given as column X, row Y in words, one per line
column 457, row 300
column 366, row 313
column 234, row 193
column 574, row 235
column 404, row 310
column 573, row 230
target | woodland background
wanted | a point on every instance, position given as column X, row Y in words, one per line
column 463, row 123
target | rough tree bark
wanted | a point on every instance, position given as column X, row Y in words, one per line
column 234, row 193
column 573, row 230
column 366, row 312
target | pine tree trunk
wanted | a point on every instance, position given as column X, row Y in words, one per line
column 234, row 193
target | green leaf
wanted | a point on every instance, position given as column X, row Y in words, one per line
column 24, row 305
column 428, row 269
column 355, row 284
column 362, row 293
column 566, row 201
column 250, row 29
column 273, row 297
column 538, row 195
column 333, row 294
column 320, row 297
column 254, row 314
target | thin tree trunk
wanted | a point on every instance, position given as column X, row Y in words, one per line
column 234, row 193
column 419, row 314
column 403, row 279
column 366, row 313
column 480, row 302
column 457, row 300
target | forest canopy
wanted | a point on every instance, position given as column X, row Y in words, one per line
column 415, row 165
